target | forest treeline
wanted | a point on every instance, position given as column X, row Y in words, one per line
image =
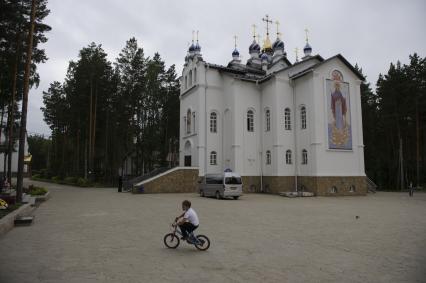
column 394, row 126
column 16, row 53
column 105, row 113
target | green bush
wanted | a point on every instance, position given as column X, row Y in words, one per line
column 71, row 180
column 36, row 176
column 83, row 182
column 56, row 178
column 36, row 191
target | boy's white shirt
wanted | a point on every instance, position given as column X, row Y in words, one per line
column 192, row 217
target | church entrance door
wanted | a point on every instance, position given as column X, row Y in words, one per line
column 187, row 162
column 187, row 154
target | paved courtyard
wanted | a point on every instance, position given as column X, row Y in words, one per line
column 99, row 235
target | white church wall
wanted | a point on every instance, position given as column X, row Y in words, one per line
column 285, row 138
column 214, row 103
column 269, row 103
column 303, row 96
column 339, row 162
column 189, row 101
column 246, row 145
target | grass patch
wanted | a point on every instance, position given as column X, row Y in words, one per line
column 9, row 209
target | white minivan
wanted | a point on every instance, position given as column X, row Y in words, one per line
column 228, row 184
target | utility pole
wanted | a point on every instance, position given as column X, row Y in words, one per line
column 23, row 128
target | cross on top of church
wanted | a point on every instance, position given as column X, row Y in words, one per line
column 268, row 21
column 254, row 31
column 296, row 50
column 197, row 36
column 278, row 28
column 235, row 41
column 193, row 32
column 306, row 32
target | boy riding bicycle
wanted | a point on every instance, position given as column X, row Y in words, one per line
column 188, row 220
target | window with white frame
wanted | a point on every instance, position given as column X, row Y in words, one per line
column 268, row 157
column 304, row 156
column 288, row 157
column 250, row 121
column 213, row 122
column 188, row 121
column 190, row 79
column 213, row 158
column 303, row 116
column 287, row 119
column 268, row 120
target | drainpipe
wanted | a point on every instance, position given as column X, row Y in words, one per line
column 261, row 139
column 205, row 119
column 295, row 138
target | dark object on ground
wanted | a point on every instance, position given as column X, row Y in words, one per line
column 120, row 184
column 24, row 220
column 357, row 217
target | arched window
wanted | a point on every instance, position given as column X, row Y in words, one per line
column 190, row 79
column 186, row 82
column 352, row 189
column 193, row 121
column 287, row 119
column 213, row 122
column 304, row 156
column 303, row 116
column 268, row 120
column 288, row 157
column 188, row 121
column 250, row 121
column 195, row 75
column 333, row 190
column 213, row 158
column 268, row 157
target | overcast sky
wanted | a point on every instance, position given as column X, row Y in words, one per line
column 370, row 33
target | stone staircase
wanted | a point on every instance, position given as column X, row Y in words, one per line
column 175, row 180
column 371, row 186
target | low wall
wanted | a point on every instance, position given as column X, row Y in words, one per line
column 8, row 222
column 177, row 180
column 322, row 186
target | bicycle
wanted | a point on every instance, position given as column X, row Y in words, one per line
column 172, row 241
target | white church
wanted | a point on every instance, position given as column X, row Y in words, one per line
column 282, row 126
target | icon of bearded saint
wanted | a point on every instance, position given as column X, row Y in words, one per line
column 340, row 130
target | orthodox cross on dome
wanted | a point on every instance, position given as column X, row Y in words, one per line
column 296, row 51
column 235, row 41
column 278, row 28
column 306, row 32
column 254, row 31
column 268, row 21
column 197, row 36
column 193, row 32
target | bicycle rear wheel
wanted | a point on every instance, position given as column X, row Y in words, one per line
column 203, row 243
column 171, row 241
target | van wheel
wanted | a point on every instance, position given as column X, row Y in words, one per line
column 236, row 197
column 217, row 195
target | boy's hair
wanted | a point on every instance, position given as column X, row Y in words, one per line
column 186, row 203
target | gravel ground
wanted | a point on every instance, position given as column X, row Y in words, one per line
column 99, row 235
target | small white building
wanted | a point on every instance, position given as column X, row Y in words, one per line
column 4, row 157
column 283, row 126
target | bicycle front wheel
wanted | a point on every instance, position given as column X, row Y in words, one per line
column 171, row 241
column 203, row 243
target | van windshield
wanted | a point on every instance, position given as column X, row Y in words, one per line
column 233, row 180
